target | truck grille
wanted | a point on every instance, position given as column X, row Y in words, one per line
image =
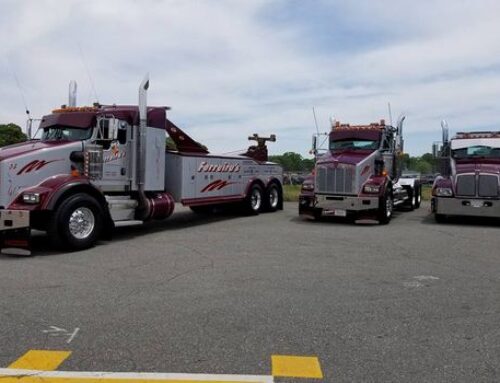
column 487, row 186
column 484, row 185
column 335, row 180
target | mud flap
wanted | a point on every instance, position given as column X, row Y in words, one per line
column 15, row 232
column 16, row 242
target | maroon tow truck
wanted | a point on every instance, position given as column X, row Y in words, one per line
column 359, row 176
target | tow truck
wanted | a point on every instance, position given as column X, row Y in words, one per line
column 100, row 167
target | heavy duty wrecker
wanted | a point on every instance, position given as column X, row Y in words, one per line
column 96, row 168
column 469, row 184
column 359, row 175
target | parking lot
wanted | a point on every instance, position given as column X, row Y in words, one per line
column 413, row 301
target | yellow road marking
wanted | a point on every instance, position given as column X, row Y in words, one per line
column 44, row 360
column 296, row 366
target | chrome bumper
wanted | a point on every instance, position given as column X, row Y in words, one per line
column 348, row 203
column 15, row 232
column 473, row 207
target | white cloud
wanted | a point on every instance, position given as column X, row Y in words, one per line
column 228, row 70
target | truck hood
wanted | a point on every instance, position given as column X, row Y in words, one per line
column 349, row 157
column 16, row 150
column 480, row 167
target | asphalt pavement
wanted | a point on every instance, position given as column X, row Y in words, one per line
column 412, row 301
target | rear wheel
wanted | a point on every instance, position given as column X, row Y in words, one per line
column 385, row 208
column 76, row 223
column 273, row 197
column 253, row 202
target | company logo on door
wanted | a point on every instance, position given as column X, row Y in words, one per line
column 226, row 167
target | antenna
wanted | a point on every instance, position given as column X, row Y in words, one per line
column 315, row 121
column 390, row 113
column 91, row 81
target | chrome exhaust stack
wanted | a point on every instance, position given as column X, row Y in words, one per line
column 144, row 205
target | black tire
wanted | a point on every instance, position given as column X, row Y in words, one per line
column 71, row 225
column 418, row 200
column 253, row 203
column 385, row 209
column 273, row 198
column 440, row 218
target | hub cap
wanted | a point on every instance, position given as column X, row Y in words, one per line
column 81, row 223
column 256, row 199
column 273, row 197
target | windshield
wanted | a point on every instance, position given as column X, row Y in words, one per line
column 354, row 144
column 478, row 151
column 65, row 133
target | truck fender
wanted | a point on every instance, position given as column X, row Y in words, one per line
column 75, row 185
column 251, row 182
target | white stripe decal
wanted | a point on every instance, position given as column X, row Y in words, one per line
column 136, row 375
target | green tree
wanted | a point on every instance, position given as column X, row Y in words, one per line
column 11, row 134
column 290, row 161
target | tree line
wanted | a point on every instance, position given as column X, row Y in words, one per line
column 11, row 134
column 294, row 162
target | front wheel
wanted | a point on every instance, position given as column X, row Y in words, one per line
column 385, row 208
column 76, row 223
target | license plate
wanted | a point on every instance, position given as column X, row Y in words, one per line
column 336, row 212
column 475, row 203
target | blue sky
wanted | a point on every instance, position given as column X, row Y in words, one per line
column 233, row 68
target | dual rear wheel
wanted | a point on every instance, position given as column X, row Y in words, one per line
column 259, row 199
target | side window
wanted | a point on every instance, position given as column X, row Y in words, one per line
column 386, row 143
column 102, row 136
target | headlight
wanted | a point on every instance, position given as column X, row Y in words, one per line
column 31, row 198
column 371, row 189
column 308, row 187
column 444, row 192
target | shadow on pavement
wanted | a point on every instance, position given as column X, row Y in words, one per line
column 462, row 221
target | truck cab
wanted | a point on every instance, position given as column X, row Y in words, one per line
column 359, row 174
column 469, row 184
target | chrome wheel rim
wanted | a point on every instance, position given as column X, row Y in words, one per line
column 256, row 200
column 81, row 223
column 273, row 197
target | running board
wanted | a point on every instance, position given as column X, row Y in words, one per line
column 128, row 223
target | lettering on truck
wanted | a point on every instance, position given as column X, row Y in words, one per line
column 226, row 167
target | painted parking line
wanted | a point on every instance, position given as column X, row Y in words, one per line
column 37, row 366
column 292, row 366
column 45, row 360
column 8, row 375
